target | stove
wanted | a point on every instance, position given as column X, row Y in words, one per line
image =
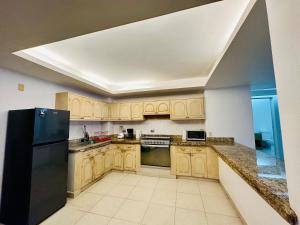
column 155, row 150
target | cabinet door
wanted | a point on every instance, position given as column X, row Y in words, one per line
column 163, row 107
column 178, row 109
column 212, row 164
column 149, row 108
column 114, row 111
column 97, row 110
column 118, row 160
column 87, row 108
column 75, row 106
column 137, row 111
column 199, row 167
column 129, row 160
column 86, row 170
column 104, row 111
column 195, row 108
column 183, row 164
column 98, row 164
column 125, row 111
column 108, row 160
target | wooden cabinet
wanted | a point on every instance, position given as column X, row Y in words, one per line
column 101, row 111
column 137, row 111
column 98, row 168
column 178, row 109
column 130, row 160
column 194, row 161
column 71, row 102
column 161, row 107
column 183, row 109
column 118, row 159
column 86, row 170
column 114, row 111
column 212, row 164
column 149, row 108
column 108, row 160
column 183, row 164
column 198, row 164
column 87, row 111
column 124, row 111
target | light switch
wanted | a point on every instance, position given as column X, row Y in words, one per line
column 21, row 87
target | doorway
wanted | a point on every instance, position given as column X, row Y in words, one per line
column 267, row 129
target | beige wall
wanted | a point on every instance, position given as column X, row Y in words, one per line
column 284, row 23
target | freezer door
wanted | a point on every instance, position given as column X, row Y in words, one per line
column 48, row 180
column 50, row 125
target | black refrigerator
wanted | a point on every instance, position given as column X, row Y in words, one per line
column 35, row 165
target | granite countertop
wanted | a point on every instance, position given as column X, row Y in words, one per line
column 267, row 180
column 76, row 146
column 177, row 140
column 125, row 141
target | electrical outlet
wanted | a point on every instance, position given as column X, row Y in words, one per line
column 209, row 134
column 152, row 131
column 21, row 87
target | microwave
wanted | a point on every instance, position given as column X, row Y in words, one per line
column 195, row 135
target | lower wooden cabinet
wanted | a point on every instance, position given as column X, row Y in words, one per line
column 118, row 160
column 183, row 164
column 98, row 167
column 194, row 161
column 84, row 168
column 198, row 165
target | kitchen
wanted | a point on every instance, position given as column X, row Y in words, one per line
column 113, row 181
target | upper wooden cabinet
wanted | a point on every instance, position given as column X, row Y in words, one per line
column 161, row 107
column 183, row 109
column 137, row 111
column 85, row 108
column 124, row 111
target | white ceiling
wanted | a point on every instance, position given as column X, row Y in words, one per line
column 178, row 50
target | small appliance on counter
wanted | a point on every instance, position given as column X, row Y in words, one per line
column 121, row 135
column 129, row 133
column 195, row 135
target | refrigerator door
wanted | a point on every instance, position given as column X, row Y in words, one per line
column 50, row 126
column 48, row 180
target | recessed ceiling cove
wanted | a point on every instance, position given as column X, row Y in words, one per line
column 177, row 50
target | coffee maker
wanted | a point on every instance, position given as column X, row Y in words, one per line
column 129, row 133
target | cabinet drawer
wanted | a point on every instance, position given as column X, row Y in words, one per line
column 183, row 150
column 198, row 149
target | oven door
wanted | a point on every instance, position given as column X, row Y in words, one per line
column 156, row 155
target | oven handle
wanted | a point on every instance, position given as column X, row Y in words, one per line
column 157, row 146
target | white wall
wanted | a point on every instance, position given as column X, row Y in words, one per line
column 37, row 93
column 229, row 114
column 284, row 23
column 253, row 208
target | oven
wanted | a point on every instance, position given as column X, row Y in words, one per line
column 155, row 151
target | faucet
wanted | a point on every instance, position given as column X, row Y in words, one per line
column 86, row 136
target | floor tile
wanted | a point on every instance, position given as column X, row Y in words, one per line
column 131, row 179
column 85, row 201
column 188, row 187
column 189, row 201
column 214, row 219
column 121, row 222
column 108, row 206
column 66, row 215
column 166, row 184
column 149, row 182
column 133, row 211
column 190, row 217
column 164, row 197
column 218, row 205
column 114, row 177
column 141, row 194
column 121, row 190
column 101, row 187
column 159, row 215
column 93, row 219
column 211, row 188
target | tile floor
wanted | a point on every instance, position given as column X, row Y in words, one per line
column 130, row 199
